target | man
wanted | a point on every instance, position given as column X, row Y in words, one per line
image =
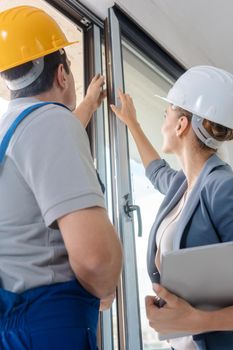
column 59, row 252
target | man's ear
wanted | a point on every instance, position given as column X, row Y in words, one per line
column 182, row 125
column 61, row 77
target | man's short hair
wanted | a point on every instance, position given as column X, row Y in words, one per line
column 44, row 82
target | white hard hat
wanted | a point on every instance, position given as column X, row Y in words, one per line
column 205, row 91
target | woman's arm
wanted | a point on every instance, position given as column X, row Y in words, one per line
column 127, row 114
column 178, row 316
column 218, row 196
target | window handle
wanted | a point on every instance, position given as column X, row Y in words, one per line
column 129, row 208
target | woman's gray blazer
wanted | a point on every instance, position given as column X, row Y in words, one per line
column 206, row 219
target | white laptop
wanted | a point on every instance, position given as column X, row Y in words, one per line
column 201, row 275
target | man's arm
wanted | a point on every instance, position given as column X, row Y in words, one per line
column 94, row 249
column 92, row 100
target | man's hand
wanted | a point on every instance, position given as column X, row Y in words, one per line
column 175, row 316
column 106, row 303
column 94, row 97
column 95, row 93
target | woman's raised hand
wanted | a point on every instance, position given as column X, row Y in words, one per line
column 126, row 112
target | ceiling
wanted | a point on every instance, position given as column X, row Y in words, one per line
column 194, row 32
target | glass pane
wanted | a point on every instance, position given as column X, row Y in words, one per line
column 74, row 52
column 142, row 81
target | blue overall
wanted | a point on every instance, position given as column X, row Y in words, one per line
column 61, row 316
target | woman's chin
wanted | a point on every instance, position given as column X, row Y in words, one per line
column 165, row 149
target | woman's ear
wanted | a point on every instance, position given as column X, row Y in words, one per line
column 182, row 125
column 61, row 77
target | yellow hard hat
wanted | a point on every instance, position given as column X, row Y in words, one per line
column 27, row 33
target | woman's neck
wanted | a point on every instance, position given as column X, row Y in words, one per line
column 192, row 162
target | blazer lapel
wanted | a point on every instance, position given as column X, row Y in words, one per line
column 194, row 198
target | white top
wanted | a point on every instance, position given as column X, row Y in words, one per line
column 164, row 242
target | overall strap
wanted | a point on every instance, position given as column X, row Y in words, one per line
column 10, row 132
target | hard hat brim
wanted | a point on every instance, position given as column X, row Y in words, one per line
column 163, row 98
column 38, row 55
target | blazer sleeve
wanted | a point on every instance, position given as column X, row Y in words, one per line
column 220, row 201
column 160, row 175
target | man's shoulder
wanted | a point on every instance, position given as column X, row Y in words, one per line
column 50, row 123
column 48, row 117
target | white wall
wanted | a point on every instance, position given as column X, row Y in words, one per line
column 159, row 24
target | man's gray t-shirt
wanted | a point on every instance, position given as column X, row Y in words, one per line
column 47, row 172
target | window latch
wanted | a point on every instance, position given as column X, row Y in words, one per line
column 129, row 208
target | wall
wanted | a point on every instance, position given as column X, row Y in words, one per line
column 161, row 26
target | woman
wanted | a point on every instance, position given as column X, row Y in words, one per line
column 198, row 204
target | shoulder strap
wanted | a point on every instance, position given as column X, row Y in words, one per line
column 10, row 132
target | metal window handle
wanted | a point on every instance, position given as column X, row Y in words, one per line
column 129, row 208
